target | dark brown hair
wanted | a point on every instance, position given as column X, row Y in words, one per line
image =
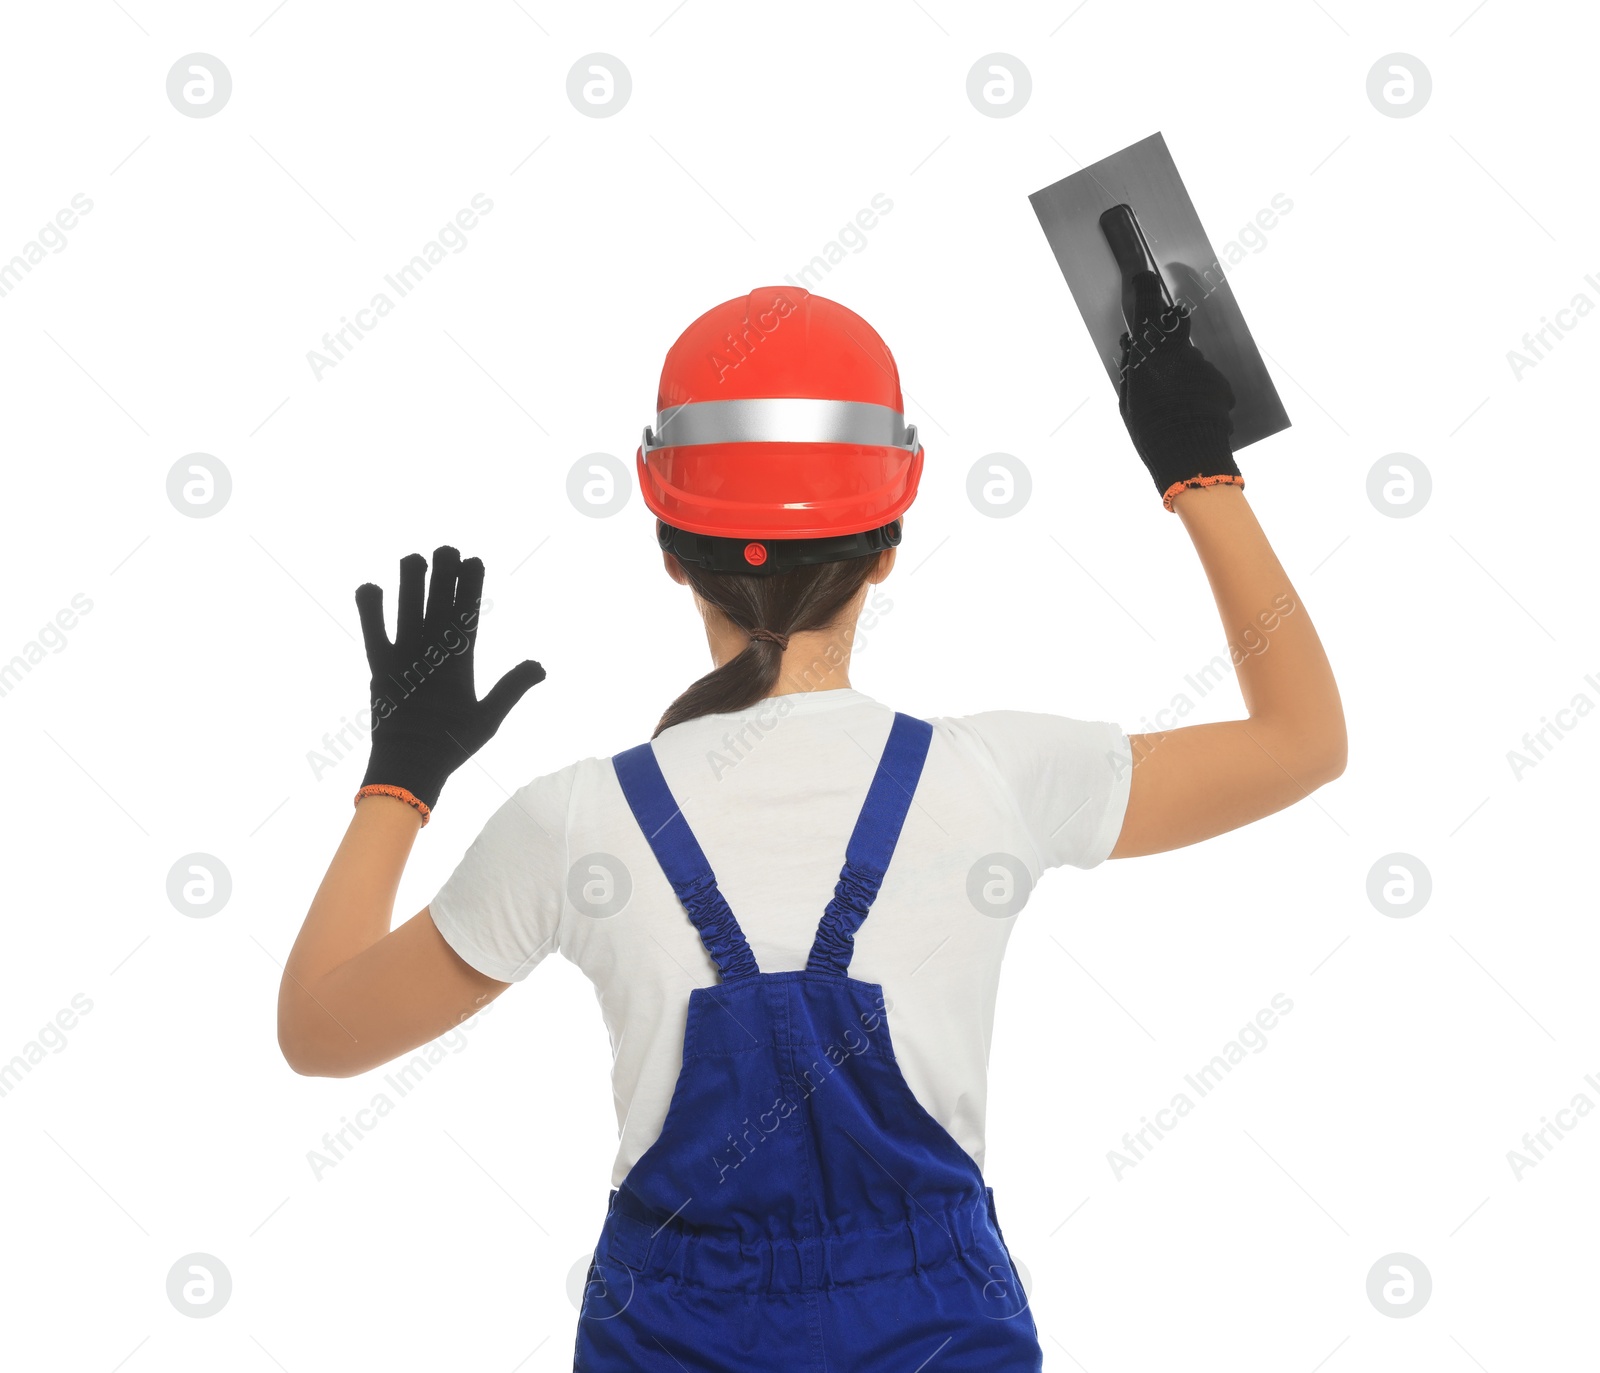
column 794, row 602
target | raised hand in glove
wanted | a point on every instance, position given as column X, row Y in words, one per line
column 427, row 719
column 1174, row 403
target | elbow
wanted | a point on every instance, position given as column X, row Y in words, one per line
column 309, row 1060
column 299, row 1055
column 1321, row 771
column 1337, row 745
column 1328, row 752
column 293, row 1042
column 308, row 1052
column 1312, row 752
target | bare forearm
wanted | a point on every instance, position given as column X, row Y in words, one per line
column 355, row 903
column 1284, row 675
column 352, row 911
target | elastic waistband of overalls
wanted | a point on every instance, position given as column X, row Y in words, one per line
column 725, row 1262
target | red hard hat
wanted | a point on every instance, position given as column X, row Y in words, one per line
column 779, row 417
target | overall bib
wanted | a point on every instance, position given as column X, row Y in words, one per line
column 801, row 1211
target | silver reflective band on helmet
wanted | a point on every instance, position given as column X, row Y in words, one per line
column 780, row 420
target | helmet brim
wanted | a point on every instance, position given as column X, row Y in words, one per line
column 852, row 489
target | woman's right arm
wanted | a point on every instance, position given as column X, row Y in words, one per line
column 1193, row 783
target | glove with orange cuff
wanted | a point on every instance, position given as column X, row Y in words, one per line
column 1174, row 403
column 427, row 719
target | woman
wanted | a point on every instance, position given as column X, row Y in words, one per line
column 793, row 1187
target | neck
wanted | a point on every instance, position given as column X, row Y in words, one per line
column 817, row 660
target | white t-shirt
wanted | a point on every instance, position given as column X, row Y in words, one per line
column 772, row 794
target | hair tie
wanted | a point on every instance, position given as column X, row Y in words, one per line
column 782, row 640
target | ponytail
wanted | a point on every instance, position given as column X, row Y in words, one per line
column 799, row 601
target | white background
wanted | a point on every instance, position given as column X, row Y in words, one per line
column 178, row 716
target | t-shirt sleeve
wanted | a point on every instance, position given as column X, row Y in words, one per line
column 1068, row 778
column 501, row 907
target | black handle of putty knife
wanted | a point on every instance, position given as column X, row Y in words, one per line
column 1121, row 228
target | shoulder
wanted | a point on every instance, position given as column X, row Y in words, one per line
column 1042, row 761
column 539, row 807
column 1001, row 732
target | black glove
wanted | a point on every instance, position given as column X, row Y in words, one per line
column 1174, row 403
column 427, row 719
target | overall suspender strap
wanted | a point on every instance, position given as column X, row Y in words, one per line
column 683, row 861
column 872, row 844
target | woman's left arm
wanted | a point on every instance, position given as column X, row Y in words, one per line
column 1192, row 783
column 354, row 994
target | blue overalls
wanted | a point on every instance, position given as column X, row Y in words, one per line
column 801, row 1211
